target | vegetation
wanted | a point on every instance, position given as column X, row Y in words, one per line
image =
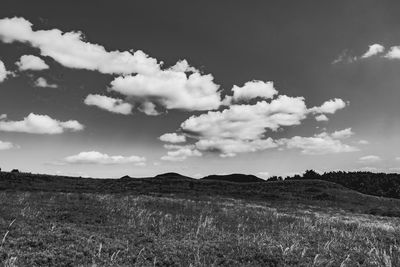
column 377, row 184
column 236, row 178
column 173, row 220
column 71, row 229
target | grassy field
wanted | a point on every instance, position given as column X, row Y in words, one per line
column 131, row 229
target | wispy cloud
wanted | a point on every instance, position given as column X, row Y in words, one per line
column 369, row 159
column 95, row 157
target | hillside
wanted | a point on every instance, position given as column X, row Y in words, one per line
column 315, row 192
column 377, row 184
column 172, row 220
column 235, row 178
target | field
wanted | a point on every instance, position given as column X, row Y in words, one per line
column 282, row 224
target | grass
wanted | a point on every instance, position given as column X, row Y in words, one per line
column 132, row 229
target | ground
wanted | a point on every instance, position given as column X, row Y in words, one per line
column 134, row 229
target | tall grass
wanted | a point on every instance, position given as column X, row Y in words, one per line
column 57, row 229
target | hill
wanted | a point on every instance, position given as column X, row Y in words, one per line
column 306, row 191
column 377, row 184
column 235, row 178
column 172, row 176
column 173, row 220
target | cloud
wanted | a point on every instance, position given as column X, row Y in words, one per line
column 329, row 107
column 363, row 142
column 108, row 103
column 369, row 169
column 397, row 158
column 373, row 50
column 171, row 89
column 242, row 128
column 94, row 157
column 3, row 116
column 247, row 122
column 5, row 145
column 42, row 82
column 70, row 50
column 148, row 108
column 264, row 174
column 369, row 159
column 173, row 138
column 321, row 117
column 319, row 144
column 3, row 72
column 394, row 53
column 342, row 134
column 344, row 57
column 39, row 124
column 254, row 89
column 30, row 62
column 231, row 147
column 180, row 153
column 178, row 87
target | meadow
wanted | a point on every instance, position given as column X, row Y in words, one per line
column 172, row 220
column 84, row 229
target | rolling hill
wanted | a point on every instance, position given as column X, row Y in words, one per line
column 174, row 220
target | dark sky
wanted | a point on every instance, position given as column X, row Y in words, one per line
column 292, row 43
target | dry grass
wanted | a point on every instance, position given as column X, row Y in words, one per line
column 69, row 229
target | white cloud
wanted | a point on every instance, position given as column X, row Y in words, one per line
column 247, row 122
column 397, row 158
column 94, row 157
column 171, row 89
column 321, row 117
column 363, row 142
column 178, row 87
column 108, row 103
column 70, row 50
column 369, row 169
column 264, row 174
column 369, row 159
column 373, row 50
column 342, row 134
column 231, row 147
column 3, row 72
column 254, row 89
column 42, row 82
column 394, row 53
column 3, row 116
column 180, row 153
column 319, row 144
column 329, row 107
column 148, row 108
column 5, row 145
column 173, row 138
column 39, row 124
column 30, row 62
column 242, row 128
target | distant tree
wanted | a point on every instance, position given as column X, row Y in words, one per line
column 275, row 178
column 297, row 177
column 311, row 174
column 15, row 171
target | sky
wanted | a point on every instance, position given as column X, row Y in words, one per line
column 213, row 87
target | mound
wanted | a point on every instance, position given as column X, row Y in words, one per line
column 235, row 178
column 172, row 175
